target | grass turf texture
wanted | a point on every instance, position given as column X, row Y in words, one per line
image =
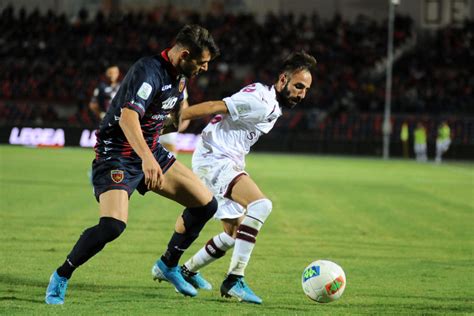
column 402, row 231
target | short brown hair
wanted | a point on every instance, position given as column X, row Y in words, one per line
column 298, row 61
column 197, row 39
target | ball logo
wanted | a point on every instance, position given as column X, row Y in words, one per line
column 335, row 286
column 116, row 175
column 311, row 272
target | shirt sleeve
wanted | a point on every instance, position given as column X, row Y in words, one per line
column 141, row 88
column 247, row 104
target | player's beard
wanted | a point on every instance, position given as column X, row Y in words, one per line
column 188, row 69
column 285, row 99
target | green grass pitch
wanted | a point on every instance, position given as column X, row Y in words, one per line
column 402, row 231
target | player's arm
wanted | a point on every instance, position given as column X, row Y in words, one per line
column 204, row 109
column 183, row 124
column 130, row 124
column 94, row 107
column 94, row 104
column 175, row 122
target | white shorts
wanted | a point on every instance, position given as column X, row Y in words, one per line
column 420, row 148
column 443, row 145
column 218, row 174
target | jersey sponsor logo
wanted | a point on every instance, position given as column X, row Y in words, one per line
column 159, row 117
column 117, row 175
column 251, row 135
column 166, row 87
column 182, row 84
column 169, row 103
column 144, row 91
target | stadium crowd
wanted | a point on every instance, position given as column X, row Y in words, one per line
column 49, row 61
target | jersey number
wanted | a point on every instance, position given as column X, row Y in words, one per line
column 249, row 88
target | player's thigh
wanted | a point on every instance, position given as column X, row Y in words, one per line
column 246, row 191
column 183, row 186
column 114, row 203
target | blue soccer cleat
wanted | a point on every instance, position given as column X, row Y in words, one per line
column 56, row 289
column 240, row 290
column 162, row 272
column 195, row 279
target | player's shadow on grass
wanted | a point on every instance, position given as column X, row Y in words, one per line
column 19, row 299
column 151, row 290
column 11, row 281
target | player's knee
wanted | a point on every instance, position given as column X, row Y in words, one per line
column 110, row 228
column 196, row 217
column 209, row 209
column 231, row 228
column 260, row 209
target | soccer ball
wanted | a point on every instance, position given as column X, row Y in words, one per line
column 323, row 281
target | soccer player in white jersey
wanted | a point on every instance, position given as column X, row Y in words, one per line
column 219, row 160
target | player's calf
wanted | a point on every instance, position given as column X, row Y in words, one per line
column 257, row 213
column 194, row 220
column 214, row 249
column 90, row 243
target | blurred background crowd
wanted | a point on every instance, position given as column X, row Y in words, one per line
column 51, row 63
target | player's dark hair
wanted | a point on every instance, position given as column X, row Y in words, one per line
column 298, row 61
column 197, row 39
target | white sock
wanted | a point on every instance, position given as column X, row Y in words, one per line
column 214, row 249
column 257, row 213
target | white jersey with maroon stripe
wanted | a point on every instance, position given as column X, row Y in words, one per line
column 253, row 111
column 219, row 157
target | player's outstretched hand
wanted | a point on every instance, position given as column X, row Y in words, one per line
column 153, row 174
